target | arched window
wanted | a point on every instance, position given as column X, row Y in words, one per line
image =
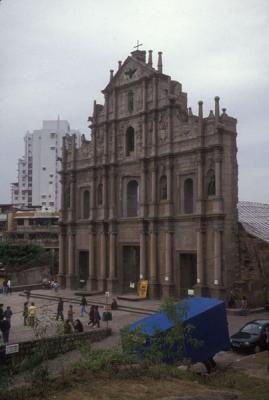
column 132, row 199
column 188, row 196
column 129, row 141
column 130, row 101
column 163, row 188
column 211, row 183
column 100, row 194
column 86, row 204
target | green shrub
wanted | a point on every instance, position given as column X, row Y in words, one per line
column 17, row 255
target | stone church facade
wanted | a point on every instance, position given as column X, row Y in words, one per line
column 153, row 194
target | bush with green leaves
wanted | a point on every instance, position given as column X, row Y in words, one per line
column 14, row 256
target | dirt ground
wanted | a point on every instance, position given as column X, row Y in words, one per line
column 246, row 379
column 146, row 389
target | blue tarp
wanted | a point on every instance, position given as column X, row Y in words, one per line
column 206, row 315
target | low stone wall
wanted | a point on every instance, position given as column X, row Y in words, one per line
column 54, row 345
column 30, row 275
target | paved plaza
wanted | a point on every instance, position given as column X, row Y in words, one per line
column 46, row 310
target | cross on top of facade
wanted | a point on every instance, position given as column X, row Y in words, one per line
column 138, row 45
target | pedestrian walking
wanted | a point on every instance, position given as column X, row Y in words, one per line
column 25, row 313
column 97, row 317
column 83, row 305
column 32, row 314
column 8, row 314
column 5, row 328
column 1, row 312
column 5, row 286
column 60, row 310
column 28, row 294
column 9, row 286
column 114, row 304
column 91, row 316
column 70, row 313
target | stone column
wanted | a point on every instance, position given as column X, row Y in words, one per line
column 217, row 257
column 92, row 286
column 154, row 133
column 153, row 275
column 72, row 197
column 143, row 190
column 72, row 279
column 144, row 140
column 200, row 185
column 200, row 256
column 143, row 254
column 105, row 143
column 105, row 191
column 200, row 123
column 112, row 206
column 201, row 287
column 114, row 126
column 170, row 128
column 112, row 252
column 114, row 144
column 153, row 191
column 94, row 120
column 218, row 203
column 93, row 195
column 144, row 95
column 168, row 256
column 169, row 187
column 62, row 257
column 112, row 282
column 102, row 272
column 218, row 175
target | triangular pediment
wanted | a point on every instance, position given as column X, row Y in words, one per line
column 131, row 70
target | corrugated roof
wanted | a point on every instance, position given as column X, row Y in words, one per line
column 255, row 218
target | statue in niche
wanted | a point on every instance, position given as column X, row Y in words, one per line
column 163, row 123
column 211, row 186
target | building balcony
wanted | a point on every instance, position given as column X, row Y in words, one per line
column 37, row 228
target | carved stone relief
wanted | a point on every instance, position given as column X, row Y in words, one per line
column 100, row 141
column 163, row 125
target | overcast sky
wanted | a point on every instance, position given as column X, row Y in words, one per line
column 56, row 56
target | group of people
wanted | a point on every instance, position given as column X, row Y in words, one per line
column 50, row 284
column 236, row 301
column 6, row 286
column 72, row 325
column 5, row 322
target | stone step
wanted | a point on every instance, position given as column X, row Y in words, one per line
column 130, row 297
column 238, row 311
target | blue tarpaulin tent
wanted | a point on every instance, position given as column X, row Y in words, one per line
column 206, row 315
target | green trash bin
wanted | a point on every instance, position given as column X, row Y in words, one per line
column 107, row 316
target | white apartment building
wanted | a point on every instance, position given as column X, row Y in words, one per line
column 38, row 181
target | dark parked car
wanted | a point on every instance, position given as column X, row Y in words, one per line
column 251, row 337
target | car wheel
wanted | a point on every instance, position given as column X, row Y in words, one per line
column 257, row 349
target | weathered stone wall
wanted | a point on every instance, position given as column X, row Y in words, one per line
column 30, row 276
column 252, row 279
